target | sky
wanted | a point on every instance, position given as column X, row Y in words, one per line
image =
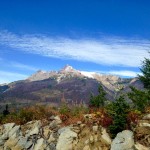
column 104, row 36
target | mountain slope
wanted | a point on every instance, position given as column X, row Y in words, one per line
column 70, row 84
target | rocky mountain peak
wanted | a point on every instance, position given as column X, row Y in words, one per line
column 68, row 68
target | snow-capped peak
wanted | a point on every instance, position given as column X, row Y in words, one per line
column 69, row 69
column 88, row 74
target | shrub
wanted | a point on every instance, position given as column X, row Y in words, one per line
column 118, row 111
column 132, row 118
column 64, row 109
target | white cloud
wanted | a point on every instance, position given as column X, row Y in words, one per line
column 22, row 66
column 17, row 65
column 7, row 77
column 124, row 73
column 111, row 51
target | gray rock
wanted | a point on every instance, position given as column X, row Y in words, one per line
column 66, row 139
column 14, row 131
column 34, row 127
column 52, row 146
column 8, row 126
column 40, row 145
column 123, row 141
column 2, row 142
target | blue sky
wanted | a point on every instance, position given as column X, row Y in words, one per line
column 106, row 36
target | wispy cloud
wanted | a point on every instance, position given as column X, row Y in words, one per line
column 6, row 77
column 107, row 51
column 17, row 65
column 22, row 66
column 124, row 73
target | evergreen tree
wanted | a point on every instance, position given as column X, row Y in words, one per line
column 118, row 111
column 139, row 98
column 99, row 100
column 145, row 78
column 6, row 111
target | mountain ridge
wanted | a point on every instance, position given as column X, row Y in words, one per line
column 74, row 85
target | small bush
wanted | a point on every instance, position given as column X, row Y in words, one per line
column 133, row 118
column 64, row 109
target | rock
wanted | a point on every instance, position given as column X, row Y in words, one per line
column 1, row 129
column 88, row 116
column 66, row 139
column 82, row 126
column 8, row 127
column 144, row 124
column 79, row 122
column 146, row 117
column 87, row 142
column 46, row 132
column 57, row 120
column 105, row 137
column 53, row 125
column 51, row 138
column 21, row 143
column 91, row 139
column 75, row 129
column 28, row 144
column 123, row 141
column 6, row 130
column 35, row 130
column 40, row 144
column 87, row 147
column 2, row 142
column 95, row 129
column 139, row 146
column 52, row 146
column 11, row 142
column 96, row 138
column 15, row 131
column 33, row 127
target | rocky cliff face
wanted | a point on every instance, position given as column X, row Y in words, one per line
column 51, row 135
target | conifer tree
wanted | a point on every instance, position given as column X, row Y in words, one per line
column 145, row 69
column 99, row 100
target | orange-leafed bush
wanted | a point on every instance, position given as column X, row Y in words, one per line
column 30, row 113
column 73, row 120
column 133, row 116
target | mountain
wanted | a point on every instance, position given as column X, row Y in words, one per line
column 68, row 84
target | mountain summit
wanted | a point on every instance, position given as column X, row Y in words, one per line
column 73, row 85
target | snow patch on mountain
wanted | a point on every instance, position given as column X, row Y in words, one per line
column 88, row 74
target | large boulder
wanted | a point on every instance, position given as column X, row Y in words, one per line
column 32, row 128
column 66, row 138
column 123, row 141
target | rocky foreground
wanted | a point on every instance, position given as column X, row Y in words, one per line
column 35, row 135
